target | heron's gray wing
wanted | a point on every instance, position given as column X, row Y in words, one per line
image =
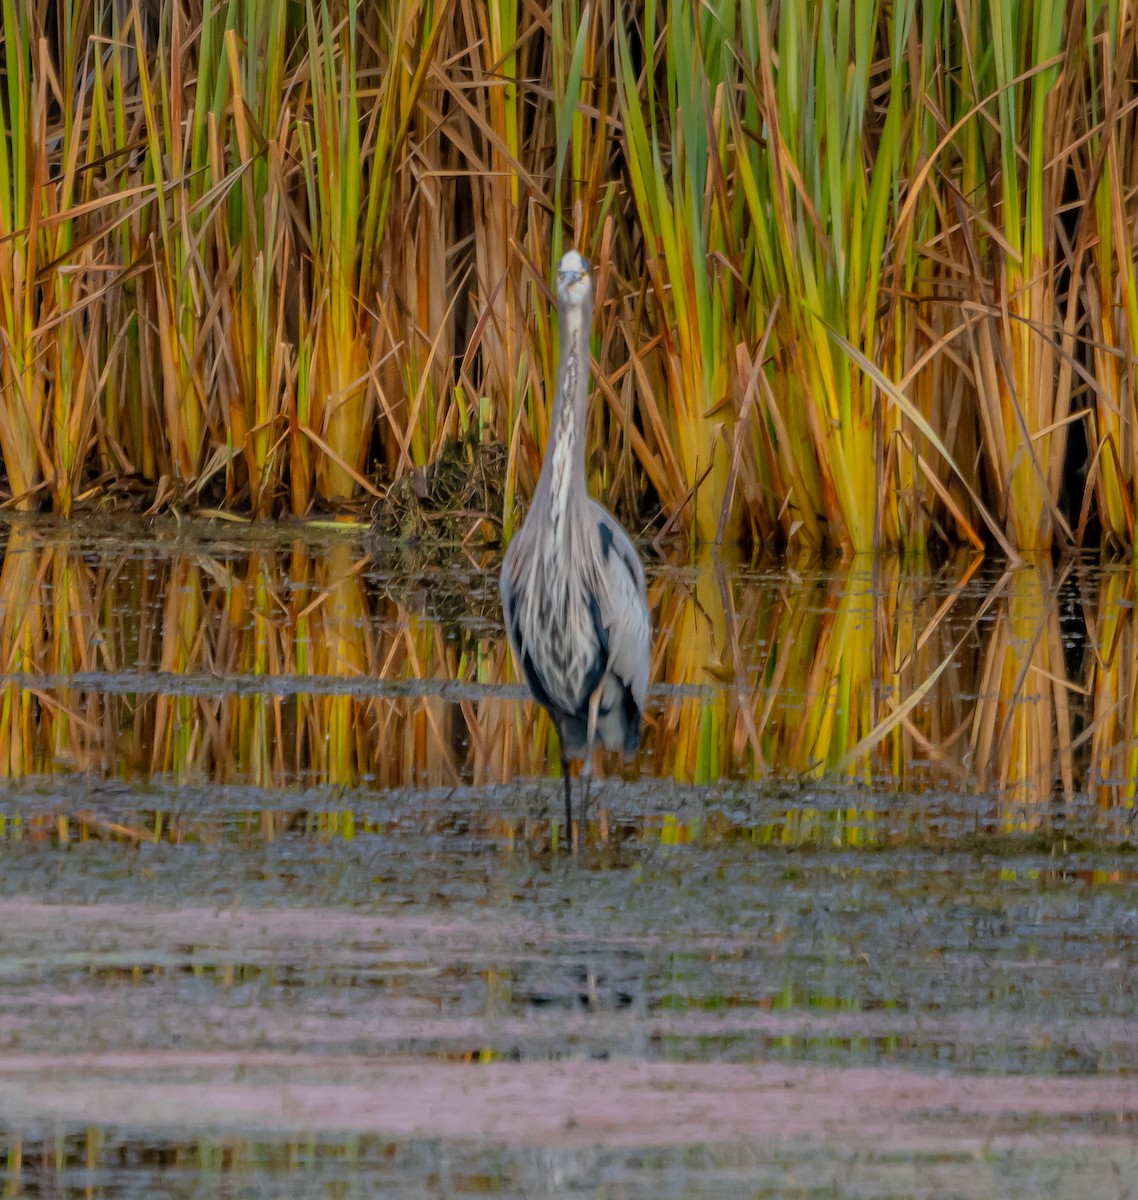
column 622, row 610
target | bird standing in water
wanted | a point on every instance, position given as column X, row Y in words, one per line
column 572, row 584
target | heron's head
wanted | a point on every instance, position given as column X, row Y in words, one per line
column 572, row 279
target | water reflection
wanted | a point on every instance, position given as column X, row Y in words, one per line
column 92, row 1164
column 202, row 660
column 95, row 1164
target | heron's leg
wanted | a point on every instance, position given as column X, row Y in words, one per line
column 567, row 776
column 590, row 746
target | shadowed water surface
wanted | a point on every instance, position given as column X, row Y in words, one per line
column 284, row 907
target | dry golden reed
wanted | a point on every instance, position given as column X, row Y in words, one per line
column 865, row 272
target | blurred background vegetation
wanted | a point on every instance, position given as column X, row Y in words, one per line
column 865, row 271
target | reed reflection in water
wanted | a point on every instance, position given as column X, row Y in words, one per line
column 209, row 659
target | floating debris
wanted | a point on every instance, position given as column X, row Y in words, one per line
column 455, row 499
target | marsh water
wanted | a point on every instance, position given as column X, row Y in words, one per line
column 285, row 906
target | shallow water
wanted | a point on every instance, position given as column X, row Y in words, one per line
column 285, row 908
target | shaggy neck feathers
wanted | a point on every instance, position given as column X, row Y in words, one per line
column 562, row 480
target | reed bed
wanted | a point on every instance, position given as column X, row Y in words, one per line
column 865, row 273
column 290, row 666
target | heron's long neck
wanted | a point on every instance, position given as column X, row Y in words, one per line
column 563, row 471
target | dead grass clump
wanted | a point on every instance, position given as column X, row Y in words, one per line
column 456, row 498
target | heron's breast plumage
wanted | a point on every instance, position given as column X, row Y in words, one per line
column 556, row 629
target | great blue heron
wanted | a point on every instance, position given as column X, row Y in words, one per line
column 572, row 585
